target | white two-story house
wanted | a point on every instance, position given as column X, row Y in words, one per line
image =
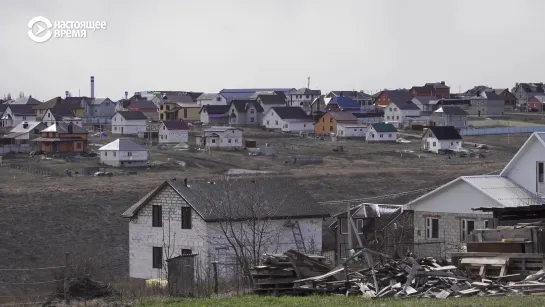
column 303, row 98
column 14, row 114
column 181, row 216
column 211, row 99
column 129, row 122
column 221, row 138
column 173, row 132
column 245, row 112
column 400, row 113
column 288, row 119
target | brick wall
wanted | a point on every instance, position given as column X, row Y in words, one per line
column 449, row 239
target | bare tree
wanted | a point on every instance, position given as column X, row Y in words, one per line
column 21, row 94
column 248, row 218
column 169, row 243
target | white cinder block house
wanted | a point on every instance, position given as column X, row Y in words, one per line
column 381, row 132
column 351, row 130
column 438, row 138
column 288, row 119
column 222, row 138
column 444, row 217
column 129, row 122
column 245, row 112
column 173, row 131
column 449, row 116
column 181, row 217
column 123, row 153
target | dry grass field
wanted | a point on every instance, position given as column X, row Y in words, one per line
column 45, row 217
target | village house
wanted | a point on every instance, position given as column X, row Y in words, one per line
column 61, row 113
column 21, row 136
column 535, row 103
column 425, row 103
column 26, row 100
column 14, row 114
column 63, row 138
column 523, row 91
column 364, row 100
column 245, row 94
column 369, row 117
column 173, row 131
column 342, row 104
column 487, row 104
column 440, row 138
column 288, row 119
column 76, row 104
column 211, row 99
column 186, row 111
column 171, row 105
column 98, row 111
column 40, row 109
column 444, row 217
column 463, row 103
column 269, row 101
column 303, row 98
column 449, row 116
column 318, row 105
column 221, row 138
column 381, row 132
column 385, row 98
column 214, row 115
column 146, row 107
column 185, row 217
column 401, row 113
column 436, row 89
column 330, row 122
column 129, row 122
column 123, row 153
column 245, row 112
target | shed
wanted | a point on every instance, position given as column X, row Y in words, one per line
column 181, row 275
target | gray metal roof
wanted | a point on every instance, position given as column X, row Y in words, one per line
column 424, row 100
column 207, row 96
column 242, row 198
column 64, row 128
column 123, row 145
column 503, row 190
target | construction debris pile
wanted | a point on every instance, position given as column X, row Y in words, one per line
column 297, row 274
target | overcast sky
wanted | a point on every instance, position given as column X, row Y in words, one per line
column 207, row 45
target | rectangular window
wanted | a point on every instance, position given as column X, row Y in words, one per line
column 186, row 251
column 157, row 257
column 540, row 172
column 185, row 113
column 344, row 225
column 434, row 144
column 486, row 224
column 186, row 217
column 432, row 228
column 229, row 141
column 129, row 154
column 359, row 225
column 114, row 153
column 157, row 216
column 466, row 227
column 78, row 146
column 343, row 250
column 381, row 135
column 267, row 122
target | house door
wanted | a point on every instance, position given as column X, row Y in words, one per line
column 53, row 147
column 121, row 130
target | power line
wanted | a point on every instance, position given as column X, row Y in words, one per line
column 394, row 195
column 35, row 269
column 31, row 283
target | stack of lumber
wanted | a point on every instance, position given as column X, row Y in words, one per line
column 277, row 273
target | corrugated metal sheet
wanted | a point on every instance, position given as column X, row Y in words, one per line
column 503, row 190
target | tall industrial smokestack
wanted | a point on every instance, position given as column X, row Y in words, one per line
column 67, row 94
column 126, row 95
column 92, row 87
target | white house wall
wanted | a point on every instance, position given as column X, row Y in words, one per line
column 272, row 121
column 173, row 136
column 298, row 126
column 372, row 136
column 351, row 131
column 143, row 237
column 434, row 145
column 129, row 126
column 523, row 170
column 114, row 158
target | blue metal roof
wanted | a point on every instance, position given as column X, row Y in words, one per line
column 345, row 102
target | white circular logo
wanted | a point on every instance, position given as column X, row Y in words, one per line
column 39, row 29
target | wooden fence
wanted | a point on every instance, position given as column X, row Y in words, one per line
column 36, row 169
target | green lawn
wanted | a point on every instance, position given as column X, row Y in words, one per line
column 342, row 301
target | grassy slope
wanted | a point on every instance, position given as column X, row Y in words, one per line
column 313, row 301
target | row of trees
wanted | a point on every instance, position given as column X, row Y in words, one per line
column 8, row 96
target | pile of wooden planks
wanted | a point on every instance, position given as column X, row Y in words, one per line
column 296, row 274
column 277, row 273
